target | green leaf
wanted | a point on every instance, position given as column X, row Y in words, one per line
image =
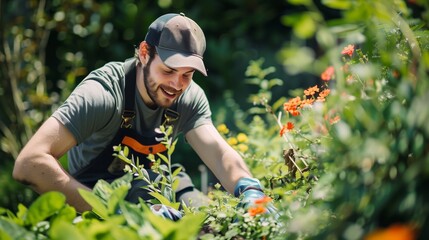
column 160, row 198
column 164, row 168
column 117, row 196
column 300, row 2
column 66, row 231
column 164, row 226
column 67, row 214
column 172, row 147
column 16, row 218
column 177, row 171
column 43, row 207
column 278, row 104
column 164, row 200
column 4, row 235
column 126, row 151
column 122, row 181
column 10, row 230
column 290, row 19
column 20, row 215
column 103, row 190
column 337, row 4
column 253, row 81
column 123, row 158
column 305, row 27
column 163, row 158
column 175, row 184
column 95, row 202
column 275, row 82
column 169, row 131
column 117, row 148
column 189, row 226
column 133, row 215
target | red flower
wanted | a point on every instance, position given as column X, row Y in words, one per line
column 348, row 50
column 286, row 128
column 328, row 74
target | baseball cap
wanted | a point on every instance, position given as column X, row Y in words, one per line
column 179, row 41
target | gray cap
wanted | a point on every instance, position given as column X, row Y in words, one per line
column 179, row 41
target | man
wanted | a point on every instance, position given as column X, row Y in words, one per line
column 122, row 103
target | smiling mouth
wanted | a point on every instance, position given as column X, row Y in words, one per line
column 170, row 94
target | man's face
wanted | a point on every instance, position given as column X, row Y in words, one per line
column 164, row 84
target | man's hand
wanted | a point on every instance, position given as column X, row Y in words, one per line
column 250, row 190
column 166, row 212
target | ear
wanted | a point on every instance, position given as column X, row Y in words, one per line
column 143, row 52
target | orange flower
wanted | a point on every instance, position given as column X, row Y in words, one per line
column 256, row 210
column 283, row 130
column 295, row 113
column 311, row 91
column 263, row 200
column 348, row 50
column 287, row 127
column 307, row 101
column 394, row 232
column 323, row 94
column 334, row 120
column 328, row 74
column 292, row 106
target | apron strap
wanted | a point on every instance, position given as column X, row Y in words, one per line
column 130, row 85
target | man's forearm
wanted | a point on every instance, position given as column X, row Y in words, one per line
column 234, row 169
column 44, row 174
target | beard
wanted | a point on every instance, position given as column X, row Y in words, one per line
column 153, row 90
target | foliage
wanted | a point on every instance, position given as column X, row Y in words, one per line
column 227, row 221
column 373, row 160
column 49, row 217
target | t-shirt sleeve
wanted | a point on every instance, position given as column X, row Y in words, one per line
column 196, row 109
column 89, row 108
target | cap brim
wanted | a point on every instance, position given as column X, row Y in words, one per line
column 175, row 60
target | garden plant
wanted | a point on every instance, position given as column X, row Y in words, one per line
column 345, row 157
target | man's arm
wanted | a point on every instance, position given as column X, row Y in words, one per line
column 38, row 165
column 218, row 155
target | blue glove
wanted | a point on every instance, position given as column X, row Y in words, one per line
column 166, row 212
column 250, row 190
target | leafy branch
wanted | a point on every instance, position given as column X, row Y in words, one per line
column 163, row 187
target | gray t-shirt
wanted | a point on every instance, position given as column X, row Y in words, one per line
column 93, row 111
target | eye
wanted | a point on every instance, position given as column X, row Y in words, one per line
column 168, row 72
column 188, row 76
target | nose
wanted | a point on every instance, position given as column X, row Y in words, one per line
column 176, row 83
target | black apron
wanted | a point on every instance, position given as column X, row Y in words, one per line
column 107, row 167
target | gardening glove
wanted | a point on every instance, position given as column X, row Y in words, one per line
column 166, row 212
column 187, row 193
column 250, row 190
